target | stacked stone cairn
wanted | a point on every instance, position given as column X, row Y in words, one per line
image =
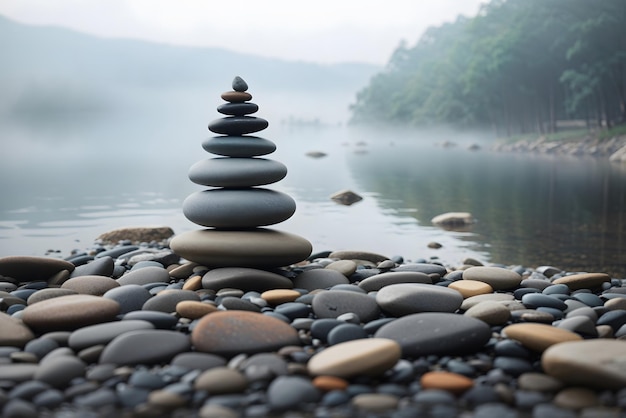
column 234, row 209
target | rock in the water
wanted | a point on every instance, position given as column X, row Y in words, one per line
column 453, row 219
column 346, row 197
column 229, row 333
column 598, row 363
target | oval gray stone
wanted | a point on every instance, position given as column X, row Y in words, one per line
column 237, row 172
column 145, row 347
column 13, row 332
column 166, row 300
column 378, row 281
column 131, row 297
column 246, row 279
column 103, row 333
column 334, row 303
column 90, row 285
column 238, row 125
column 60, row 370
column 319, row 279
column 498, row 278
column 238, row 208
column 49, row 293
column 101, row 266
column 145, row 275
column 239, row 146
column 238, row 109
column 436, row 333
column 408, row 298
column 29, row 268
column 287, row 392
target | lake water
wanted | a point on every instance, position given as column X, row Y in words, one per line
column 66, row 180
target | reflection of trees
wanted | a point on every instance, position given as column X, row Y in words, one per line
column 530, row 210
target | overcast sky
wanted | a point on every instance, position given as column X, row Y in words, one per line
column 325, row 31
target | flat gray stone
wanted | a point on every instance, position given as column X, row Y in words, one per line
column 90, row 285
column 237, row 172
column 319, row 279
column 29, row 268
column 130, row 297
column 246, row 279
column 238, row 125
column 13, row 332
column 333, row 303
column 409, row 298
column 103, row 333
column 498, row 278
column 436, row 333
column 378, row 281
column 166, row 300
column 60, row 370
column 145, row 347
column 238, row 208
column 145, row 275
column 287, row 392
column 238, row 109
column 100, row 266
column 239, row 146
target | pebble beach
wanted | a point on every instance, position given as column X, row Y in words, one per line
column 133, row 330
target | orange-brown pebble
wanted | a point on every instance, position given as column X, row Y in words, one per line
column 278, row 296
column 236, row 96
column 584, row 280
column 193, row 283
column 539, row 337
column 451, row 382
column 328, row 383
column 193, row 310
column 469, row 288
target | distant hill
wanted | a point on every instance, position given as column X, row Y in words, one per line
column 51, row 69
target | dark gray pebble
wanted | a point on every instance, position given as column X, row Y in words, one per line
column 345, row 332
column 166, row 301
column 145, row 347
column 130, row 396
column 49, row 398
column 580, row 325
column 27, row 390
column 117, row 251
column 511, row 348
column 536, row 300
column 434, row 396
column 40, row 346
column 513, row 366
column 19, row 408
column 145, row 275
column 147, row 380
column 409, row 298
column 293, row 310
column 319, row 279
column 331, row 304
column 291, row 392
column 335, row 398
column 426, row 268
column 131, row 297
column 379, row 281
column 198, row 361
column 557, row 289
column 480, row 395
column 104, row 333
column 615, row 319
column 235, row 303
column 60, row 370
column 588, row 299
column 245, row 279
column 321, row 327
column 102, row 266
column 98, row 398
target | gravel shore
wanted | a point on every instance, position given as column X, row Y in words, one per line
column 133, row 330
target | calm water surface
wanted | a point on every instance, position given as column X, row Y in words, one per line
column 64, row 183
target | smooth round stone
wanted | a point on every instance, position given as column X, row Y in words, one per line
column 220, row 380
column 469, row 288
column 239, row 84
column 333, row 303
column 131, row 297
column 277, row 296
column 409, row 298
column 588, row 299
column 49, row 293
column 229, row 333
column 375, row 402
column 117, row 251
column 288, row 392
column 368, row 357
column 13, row 332
column 538, row 284
column 358, row 255
column 200, row 361
column 146, row 275
column 584, row 281
column 581, row 325
column 145, row 347
column 69, row 312
column 239, row 146
column 426, row 268
column 101, row 266
column 238, row 109
column 345, row 267
column 59, row 371
column 49, row 398
column 615, row 319
column 160, row 320
column 29, row 268
column 234, row 303
column 345, row 332
column 436, row 333
column 40, row 346
column 598, row 363
column 90, row 285
column 513, row 366
column 194, row 310
column 319, row 279
column 378, row 281
column 539, row 337
column 538, row 381
column 18, row 372
column 166, row 300
column 19, row 408
column 328, row 383
column 237, row 172
column 236, row 96
column 496, row 297
column 103, row 333
column 259, row 247
column 238, row 125
column 238, row 208
column 491, row 312
column 498, row 278
column 245, row 279
column 451, row 382
column 538, row 300
column 576, row 398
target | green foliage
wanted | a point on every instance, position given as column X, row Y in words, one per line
column 519, row 66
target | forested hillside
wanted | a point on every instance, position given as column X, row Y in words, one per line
column 519, row 66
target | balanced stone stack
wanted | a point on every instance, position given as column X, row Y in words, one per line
column 234, row 208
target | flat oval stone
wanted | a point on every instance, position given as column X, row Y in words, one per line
column 333, row 303
column 145, row 275
column 18, row 372
column 451, row 382
column 103, row 333
column 160, row 320
column 378, row 281
column 436, row 333
column 29, row 268
column 13, row 332
column 236, row 96
column 194, row 310
column 289, row 392
column 238, row 208
column 237, row 172
column 497, row 297
column 238, row 109
column 427, row 268
column 539, row 337
column 59, row 371
column 597, row 363
column 469, row 288
column 491, row 312
column 145, row 347
column 368, row 356
column 166, row 300
column 90, row 285
column 69, row 312
column 101, row 266
column 238, row 125
column 496, row 277
column 537, row 300
column 358, row 255
column 584, row 281
column 246, row 248
column 228, row 333
column 219, row 380
column 243, row 278
column 239, row 146
column 277, row 296
column 319, row 279
column 131, row 297
column 409, row 298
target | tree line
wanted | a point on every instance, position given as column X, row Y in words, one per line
column 518, row 66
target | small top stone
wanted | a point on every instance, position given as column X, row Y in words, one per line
column 239, row 84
